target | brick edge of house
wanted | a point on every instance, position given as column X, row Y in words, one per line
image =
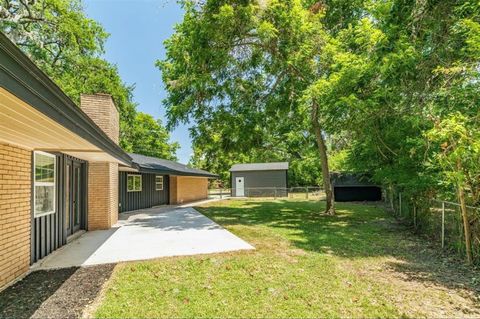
column 15, row 208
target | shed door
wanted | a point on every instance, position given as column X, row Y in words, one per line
column 240, row 186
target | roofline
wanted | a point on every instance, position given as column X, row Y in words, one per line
column 22, row 78
column 258, row 170
column 173, row 172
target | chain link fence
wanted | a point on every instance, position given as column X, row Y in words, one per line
column 306, row 192
column 441, row 221
column 309, row 192
column 219, row 193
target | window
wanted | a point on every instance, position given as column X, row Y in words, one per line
column 134, row 183
column 44, row 183
column 159, row 183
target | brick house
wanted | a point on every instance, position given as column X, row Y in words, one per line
column 62, row 170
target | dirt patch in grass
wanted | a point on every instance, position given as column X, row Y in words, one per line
column 61, row 293
column 448, row 286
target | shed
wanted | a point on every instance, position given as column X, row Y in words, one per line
column 259, row 179
column 351, row 187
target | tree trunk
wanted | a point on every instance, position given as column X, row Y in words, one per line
column 322, row 151
column 466, row 222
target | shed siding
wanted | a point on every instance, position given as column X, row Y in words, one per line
column 348, row 187
column 262, row 179
column 357, row 193
column 147, row 198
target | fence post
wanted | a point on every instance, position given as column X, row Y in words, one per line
column 392, row 195
column 275, row 193
column 220, row 193
column 443, row 224
column 306, row 192
column 414, row 215
column 400, row 204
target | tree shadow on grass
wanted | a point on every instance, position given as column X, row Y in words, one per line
column 351, row 233
column 358, row 231
column 59, row 293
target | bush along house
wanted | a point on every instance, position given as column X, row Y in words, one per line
column 62, row 170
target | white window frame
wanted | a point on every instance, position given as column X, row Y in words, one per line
column 35, row 183
column 134, row 176
column 157, row 182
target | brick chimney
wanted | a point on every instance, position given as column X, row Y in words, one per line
column 101, row 109
column 102, row 176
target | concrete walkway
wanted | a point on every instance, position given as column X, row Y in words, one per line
column 147, row 234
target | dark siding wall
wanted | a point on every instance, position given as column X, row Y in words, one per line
column 147, row 198
column 46, row 236
column 357, row 193
column 262, row 179
column 48, row 232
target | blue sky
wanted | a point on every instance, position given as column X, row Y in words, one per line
column 137, row 30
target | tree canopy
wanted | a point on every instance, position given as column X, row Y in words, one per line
column 67, row 45
column 391, row 87
column 243, row 70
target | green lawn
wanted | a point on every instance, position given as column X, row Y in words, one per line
column 357, row 264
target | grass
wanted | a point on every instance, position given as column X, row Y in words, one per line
column 359, row 263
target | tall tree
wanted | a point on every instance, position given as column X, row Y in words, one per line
column 67, row 45
column 411, row 97
column 251, row 64
column 217, row 148
column 423, row 70
column 152, row 139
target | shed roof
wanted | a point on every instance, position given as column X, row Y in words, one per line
column 351, row 179
column 276, row 166
column 158, row 165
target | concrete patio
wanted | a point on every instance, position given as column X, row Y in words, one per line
column 147, row 234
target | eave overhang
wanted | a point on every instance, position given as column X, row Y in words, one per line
column 20, row 77
column 166, row 171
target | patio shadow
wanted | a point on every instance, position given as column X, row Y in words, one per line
column 78, row 251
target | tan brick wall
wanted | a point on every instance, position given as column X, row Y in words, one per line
column 15, row 215
column 101, row 109
column 184, row 189
column 102, row 195
column 102, row 176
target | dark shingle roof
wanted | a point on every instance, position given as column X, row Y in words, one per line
column 158, row 165
column 260, row 167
